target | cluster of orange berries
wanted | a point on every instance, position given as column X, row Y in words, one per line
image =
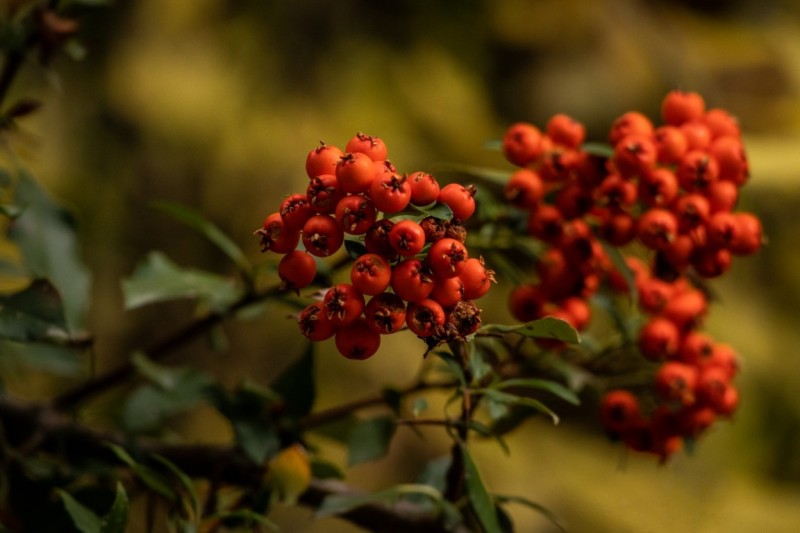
column 668, row 191
column 409, row 255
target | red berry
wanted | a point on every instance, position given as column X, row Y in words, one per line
column 619, row 411
column 425, row 318
column 357, row 340
column 749, row 235
column 314, row 323
column 295, row 210
column 407, row 237
column 385, row 313
column 355, row 172
column 460, row 200
column 371, row 274
column 676, row 382
column 671, row 144
column 446, row 258
column 411, row 281
column 565, row 131
column 322, row 236
column 731, row 158
column 275, row 236
column 721, row 123
column 390, row 193
column 696, row 348
column 631, row 123
column 355, row 214
column 477, row 279
column 424, row 188
column 722, row 195
column 657, row 228
column 546, row 223
column 297, row 269
column 448, row 292
column 679, row 107
column 697, row 134
column 526, row 302
column 322, row 160
column 376, row 241
column 343, row 304
column 692, row 210
column 522, row 144
column 373, row 147
column 658, row 187
column 659, row 339
column 635, row 156
column 697, row 170
column 323, row 193
column 524, row 189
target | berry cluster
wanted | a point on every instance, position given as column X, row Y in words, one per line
column 667, row 192
column 411, row 268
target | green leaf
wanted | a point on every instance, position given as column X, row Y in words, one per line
column 33, row 314
column 539, row 508
column 355, row 249
column 512, row 399
column 247, row 409
column 296, row 384
column 146, row 475
column 172, row 391
column 322, row 469
column 158, row 279
column 478, row 496
column 337, row 504
column 420, row 405
column 544, row 328
column 83, row 518
column 599, row 149
column 56, row 360
column 257, row 437
column 413, row 212
column 46, row 236
column 370, row 439
column 185, row 480
column 10, row 210
column 478, row 365
column 116, row 521
column 434, row 473
column 195, row 220
column 541, row 384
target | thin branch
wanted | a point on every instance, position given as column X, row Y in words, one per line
column 326, row 416
column 59, row 434
column 157, row 352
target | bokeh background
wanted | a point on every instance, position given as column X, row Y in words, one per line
column 215, row 104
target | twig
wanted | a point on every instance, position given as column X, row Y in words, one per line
column 59, row 434
column 320, row 418
column 157, row 352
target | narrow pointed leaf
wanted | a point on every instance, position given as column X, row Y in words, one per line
column 541, row 384
column 195, row 220
column 84, row 519
column 158, row 279
column 116, row 521
column 46, row 235
column 543, row 328
column 370, row 439
column 478, row 496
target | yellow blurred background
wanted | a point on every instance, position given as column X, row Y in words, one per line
column 216, row 103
